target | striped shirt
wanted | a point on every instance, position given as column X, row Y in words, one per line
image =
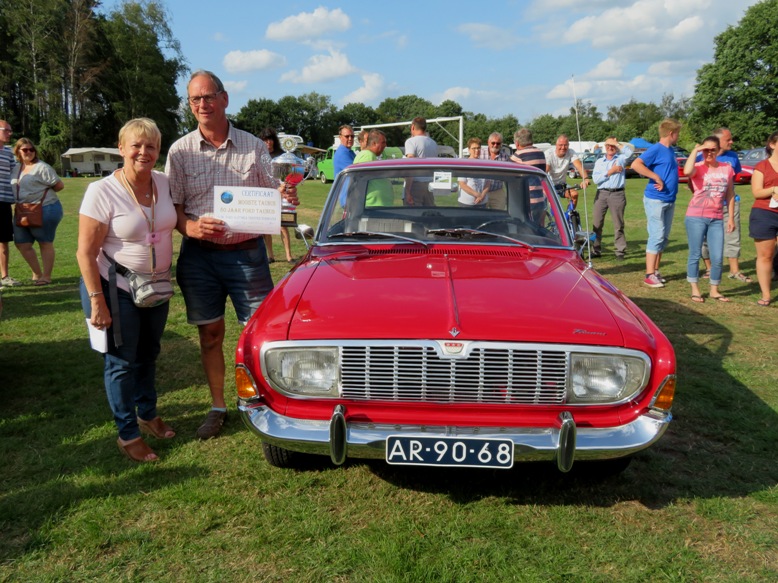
column 195, row 166
column 6, row 165
column 532, row 156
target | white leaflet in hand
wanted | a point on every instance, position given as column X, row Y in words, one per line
column 97, row 338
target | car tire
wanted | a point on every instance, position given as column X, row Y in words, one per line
column 278, row 456
column 323, row 178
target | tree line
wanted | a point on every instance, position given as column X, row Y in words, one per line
column 71, row 76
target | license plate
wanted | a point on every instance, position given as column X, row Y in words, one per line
column 449, row 452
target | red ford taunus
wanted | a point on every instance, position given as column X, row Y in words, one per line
column 450, row 333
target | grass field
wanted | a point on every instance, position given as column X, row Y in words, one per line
column 702, row 505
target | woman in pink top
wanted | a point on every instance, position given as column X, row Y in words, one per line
column 712, row 184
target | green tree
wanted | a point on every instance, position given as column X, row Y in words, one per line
column 544, row 128
column 146, row 62
column 354, row 114
column 633, row 119
column 256, row 115
column 738, row 89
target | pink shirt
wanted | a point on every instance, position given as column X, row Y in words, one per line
column 710, row 190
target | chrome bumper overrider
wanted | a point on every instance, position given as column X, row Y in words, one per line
column 341, row 439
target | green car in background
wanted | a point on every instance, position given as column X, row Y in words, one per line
column 327, row 170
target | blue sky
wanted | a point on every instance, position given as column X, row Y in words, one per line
column 501, row 57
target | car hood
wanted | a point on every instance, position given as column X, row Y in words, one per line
column 476, row 294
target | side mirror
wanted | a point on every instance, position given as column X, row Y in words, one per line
column 304, row 232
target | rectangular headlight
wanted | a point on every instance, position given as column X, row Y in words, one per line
column 304, row 371
column 605, row 378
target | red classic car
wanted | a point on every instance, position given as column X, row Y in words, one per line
column 451, row 334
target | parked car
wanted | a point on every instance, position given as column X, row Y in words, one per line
column 588, row 161
column 681, row 163
column 753, row 157
column 326, row 170
column 628, row 171
column 744, row 176
column 445, row 335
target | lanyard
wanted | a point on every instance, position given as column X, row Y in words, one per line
column 151, row 237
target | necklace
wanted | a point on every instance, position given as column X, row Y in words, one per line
column 147, row 195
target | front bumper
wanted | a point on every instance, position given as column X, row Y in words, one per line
column 565, row 443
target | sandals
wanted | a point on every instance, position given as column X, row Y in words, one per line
column 763, row 303
column 157, row 428
column 720, row 299
column 41, row 281
column 740, row 276
column 137, row 450
column 698, row 299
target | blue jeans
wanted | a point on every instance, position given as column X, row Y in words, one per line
column 659, row 217
column 130, row 369
column 697, row 229
column 52, row 215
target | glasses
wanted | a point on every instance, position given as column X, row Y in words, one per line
column 495, row 143
column 707, row 150
column 209, row 99
column 27, row 149
column 348, row 136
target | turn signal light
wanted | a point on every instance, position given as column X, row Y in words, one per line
column 664, row 398
column 244, row 383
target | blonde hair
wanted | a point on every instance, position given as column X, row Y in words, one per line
column 141, row 127
column 668, row 126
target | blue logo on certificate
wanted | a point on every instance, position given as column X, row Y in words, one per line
column 227, row 197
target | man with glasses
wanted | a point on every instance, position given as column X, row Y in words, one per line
column 609, row 175
column 495, row 190
column 6, row 200
column 215, row 263
column 419, row 145
column 344, row 155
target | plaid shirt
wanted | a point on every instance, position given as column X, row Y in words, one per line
column 502, row 156
column 194, row 166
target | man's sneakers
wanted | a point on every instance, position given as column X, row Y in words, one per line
column 653, row 280
column 659, row 276
column 9, row 281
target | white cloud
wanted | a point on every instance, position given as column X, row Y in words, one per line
column 307, row 25
column 371, row 91
column 488, row 36
column 235, row 86
column 608, row 69
column 244, row 61
column 321, row 68
column 457, row 94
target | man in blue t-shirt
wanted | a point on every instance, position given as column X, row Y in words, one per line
column 344, row 155
column 659, row 165
column 731, row 239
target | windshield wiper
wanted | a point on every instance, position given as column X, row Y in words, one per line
column 463, row 232
column 371, row 234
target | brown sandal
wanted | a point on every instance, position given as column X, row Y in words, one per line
column 157, row 428
column 137, row 450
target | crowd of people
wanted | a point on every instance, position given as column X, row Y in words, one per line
column 127, row 219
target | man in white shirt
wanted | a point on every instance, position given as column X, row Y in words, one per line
column 558, row 161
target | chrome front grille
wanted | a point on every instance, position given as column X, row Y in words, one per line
column 419, row 372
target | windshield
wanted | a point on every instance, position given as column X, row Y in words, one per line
column 463, row 203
